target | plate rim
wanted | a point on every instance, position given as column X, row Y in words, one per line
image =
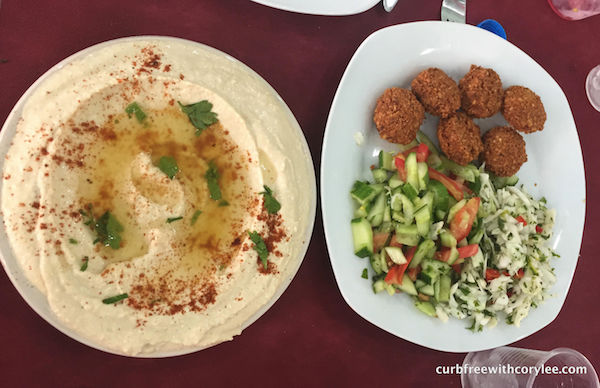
column 341, row 12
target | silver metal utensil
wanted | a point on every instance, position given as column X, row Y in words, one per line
column 454, row 11
column 389, row 4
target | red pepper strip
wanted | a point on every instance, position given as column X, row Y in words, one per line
column 421, row 150
column 538, row 229
column 520, row 273
column 467, row 251
column 521, row 220
column 454, row 188
column 394, row 242
column 390, row 278
column 491, row 274
column 399, row 162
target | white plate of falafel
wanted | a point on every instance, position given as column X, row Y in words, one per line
column 482, row 100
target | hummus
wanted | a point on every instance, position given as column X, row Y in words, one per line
column 182, row 265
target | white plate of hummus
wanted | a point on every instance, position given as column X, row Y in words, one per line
column 158, row 196
column 392, row 57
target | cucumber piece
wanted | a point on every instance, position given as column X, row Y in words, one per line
column 440, row 215
column 425, row 277
column 383, row 263
column 435, row 267
column 453, row 256
column 468, row 172
column 386, row 226
column 428, row 199
column 363, row 192
column 399, row 216
column 386, row 160
column 407, row 235
column 502, row 181
column 406, row 147
column 427, row 289
column 376, row 263
column 454, row 209
column 408, row 208
column 447, row 239
column 425, row 307
column 379, row 286
column 395, row 181
column 440, row 195
column 395, row 254
column 476, row 237
column 423, row 138
column 407, row 286
column 379, row 175
column 423, row 175
column 375, row 216
column 391, row 290
column 412, row 174
column 425, row 250
column 444, row 284
column 362, row 236
column 410, row 191
column 419, row 283
column 423, row 220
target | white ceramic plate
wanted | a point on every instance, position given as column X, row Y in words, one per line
column 321, row 7
column 393, row 57
column 299, row 154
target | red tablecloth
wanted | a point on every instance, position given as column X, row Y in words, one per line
column 310, row 337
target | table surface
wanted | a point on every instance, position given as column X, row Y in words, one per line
column 310, row 337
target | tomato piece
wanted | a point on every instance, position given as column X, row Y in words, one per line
column 491, row 274
column 457, row 267
column 468, row 251
column 538, row 229
column 461, row 224
column 521, row 220
column 454, row 188
column 379, row 240
column 421, row 150
column 442, row 255
column 413, row 272
column 394, row 242
column 400, row 166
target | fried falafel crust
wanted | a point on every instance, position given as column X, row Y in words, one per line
column 523, row 109
column 398, row 115
column 437, row 92
column 459, row 138
column 503, row 151
column 481, row 92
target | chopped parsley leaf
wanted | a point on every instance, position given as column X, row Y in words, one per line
column 115, row 299
column 195, row 216
column 168, row 165
column 212, row 179
column 365, row 274
column 84, row 263
column 271, row 204
column 223, row 203
column 73, row 241
column 200, row 115
column 260, row 247
column 134, row 109
column 107, row 228
column 173, row 219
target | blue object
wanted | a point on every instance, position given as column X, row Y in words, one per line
column 493, row 26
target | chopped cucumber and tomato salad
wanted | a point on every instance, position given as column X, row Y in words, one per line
column 460, row 242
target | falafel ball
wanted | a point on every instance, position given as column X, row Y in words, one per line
column 523, row 109
column 459, row 138
column 503, row 151
column 480, row 92
column 398, row 115
column 437, row 92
